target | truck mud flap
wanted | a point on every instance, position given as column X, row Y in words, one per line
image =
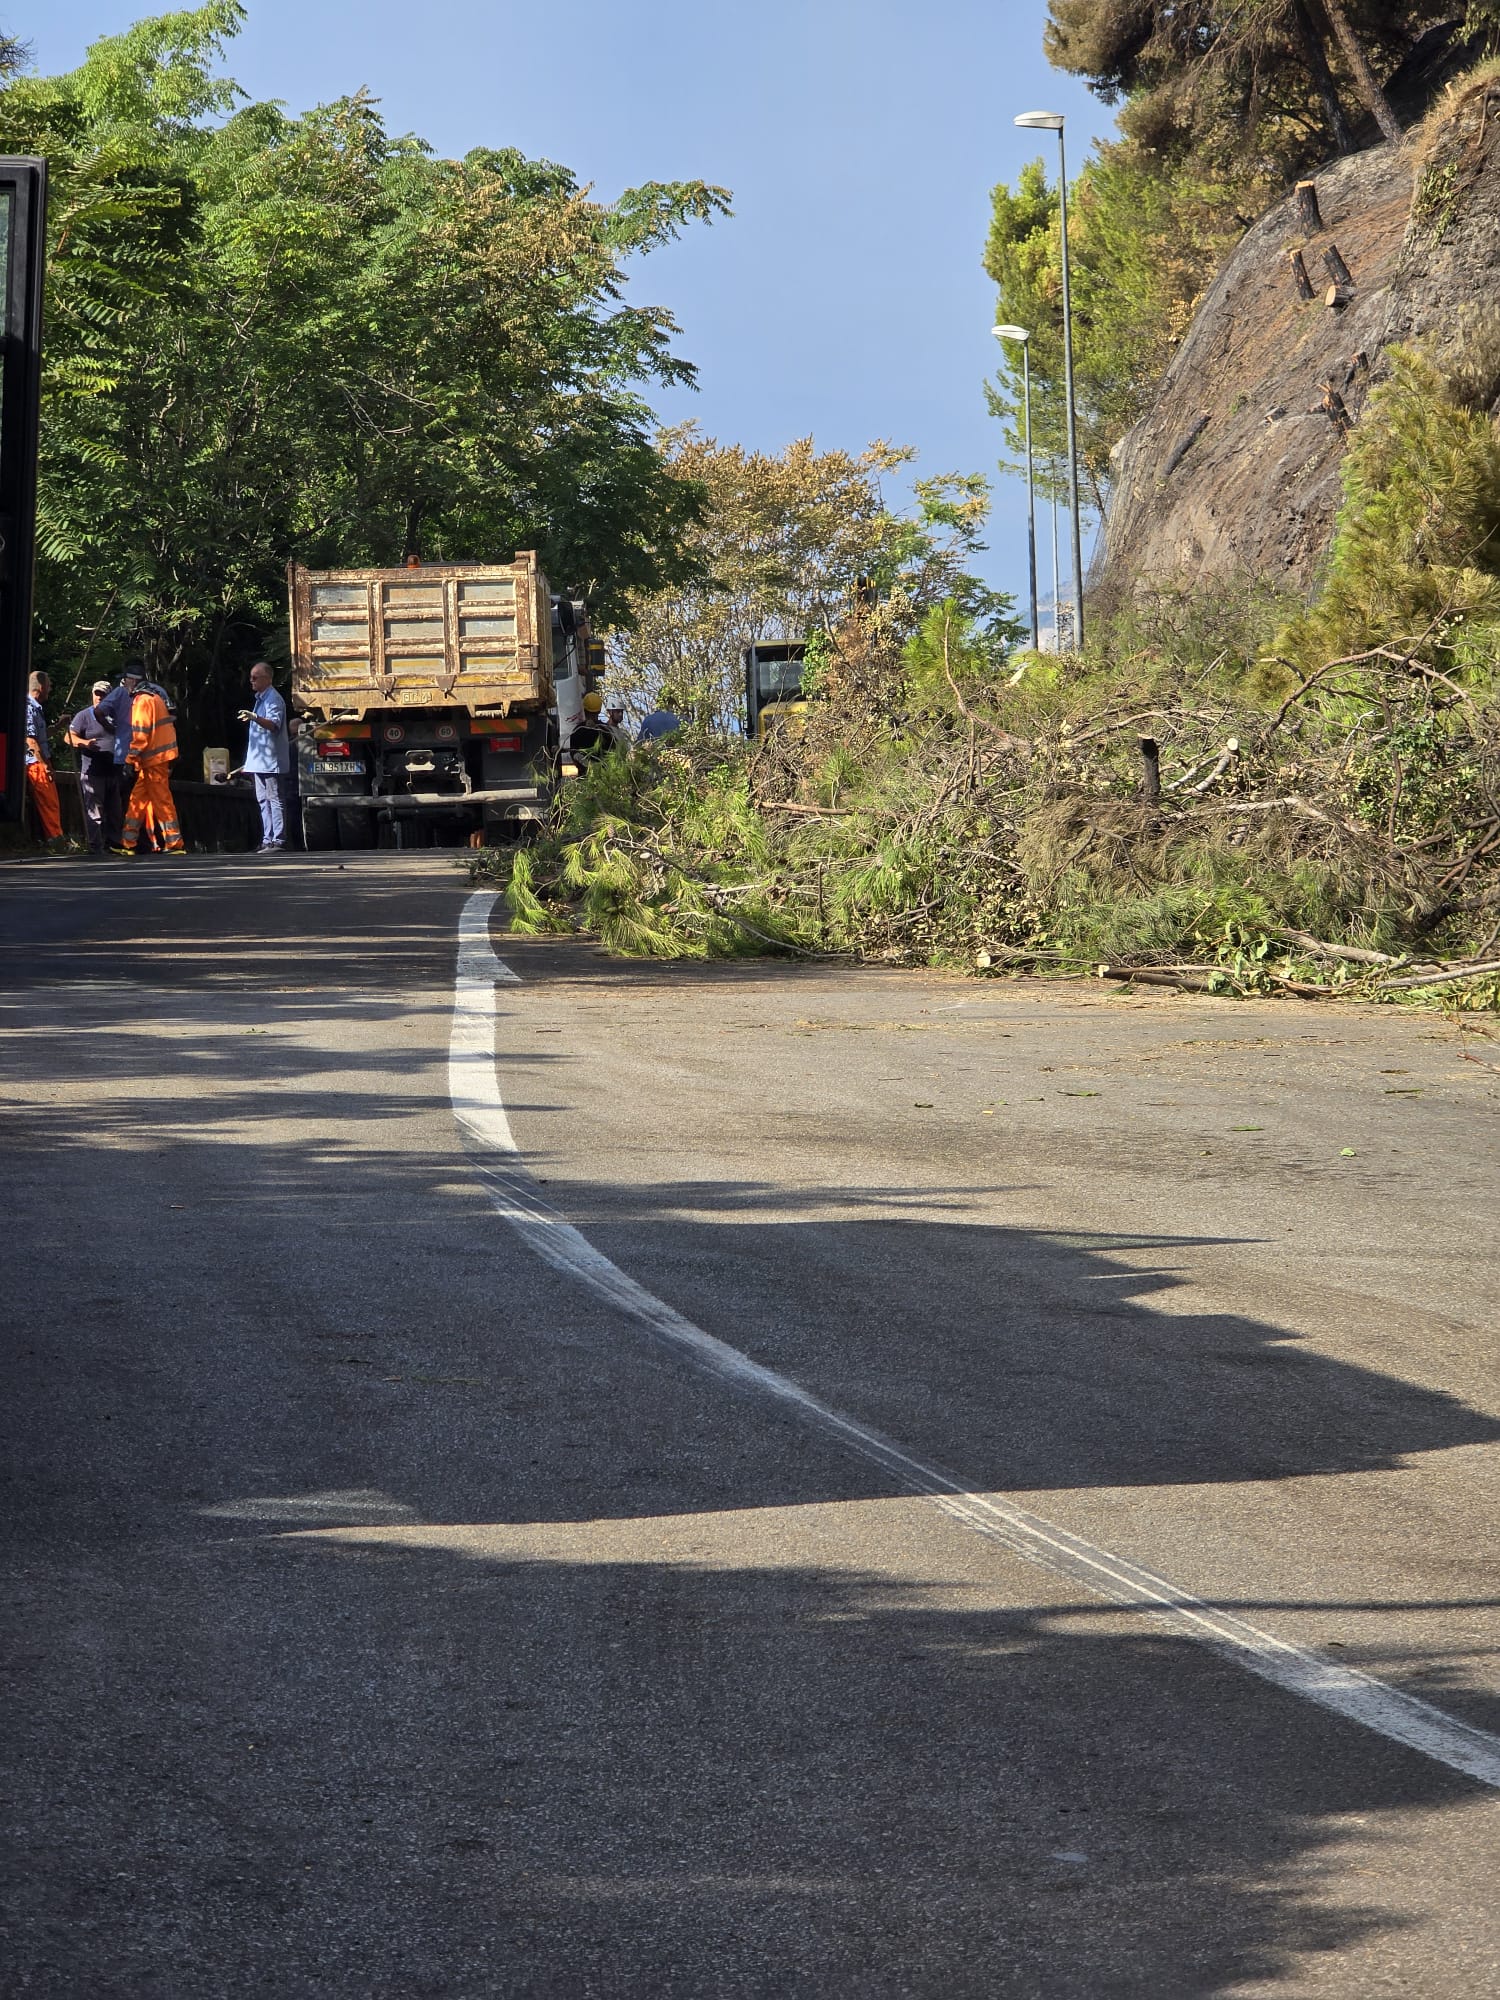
column 320, row 828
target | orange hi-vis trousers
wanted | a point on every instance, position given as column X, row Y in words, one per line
column 43, row 793
column 152, row 793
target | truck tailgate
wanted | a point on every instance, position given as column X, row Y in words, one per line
column 460, row 636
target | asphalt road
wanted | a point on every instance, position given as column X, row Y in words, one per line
column 393, row 1611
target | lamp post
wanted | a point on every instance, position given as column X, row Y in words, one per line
column 1052, row 121
column 1002, row 334
column 1056, row 614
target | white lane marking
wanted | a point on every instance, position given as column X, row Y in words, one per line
column 480, row 1111
column 476, row 955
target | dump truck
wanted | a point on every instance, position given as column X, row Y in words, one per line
column 426, row 699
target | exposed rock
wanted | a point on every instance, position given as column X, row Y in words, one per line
column 1235, row 468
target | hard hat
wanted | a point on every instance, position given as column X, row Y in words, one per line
column 593, row 701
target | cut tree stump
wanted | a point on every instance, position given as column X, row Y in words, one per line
column 1307, row 207
column 1335, row 266
column 1336, row 410
column 1337, row 297
column 1299, row 274
column 1150, row 770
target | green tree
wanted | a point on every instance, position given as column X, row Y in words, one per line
column 1415, row 561
column 795, row 544
column 1144, row 244
column 273, row 336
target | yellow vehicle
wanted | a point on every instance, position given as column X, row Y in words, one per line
column 773, row 687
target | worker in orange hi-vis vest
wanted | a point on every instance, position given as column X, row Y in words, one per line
column 153, row 749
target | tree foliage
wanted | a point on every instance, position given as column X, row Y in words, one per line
column 1415, row 562
column 792, row 544
column 1006, row 826
column 271, row 336
column 1143, row 245
column 1272, row 86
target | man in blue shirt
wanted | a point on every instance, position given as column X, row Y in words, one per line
column 267, row 756
column 98, row 773
column 40, row 788
column 113, row 710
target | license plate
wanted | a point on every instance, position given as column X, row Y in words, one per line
column 338, row 767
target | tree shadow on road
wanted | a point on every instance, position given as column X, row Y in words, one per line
column 396, row 1619
column 347, row 1765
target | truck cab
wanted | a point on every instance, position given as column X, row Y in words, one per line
column 773, row 686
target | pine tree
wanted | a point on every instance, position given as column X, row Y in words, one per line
column 1415, row 561
column 1283, row 83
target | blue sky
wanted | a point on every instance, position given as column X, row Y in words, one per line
column 845, row 297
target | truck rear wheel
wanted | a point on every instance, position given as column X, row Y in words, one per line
column 356, row 827
column 319, row 828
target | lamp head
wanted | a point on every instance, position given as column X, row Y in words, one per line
column 1011, row 333
column 1041, row 121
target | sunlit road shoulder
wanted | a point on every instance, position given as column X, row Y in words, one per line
column 393, row 1616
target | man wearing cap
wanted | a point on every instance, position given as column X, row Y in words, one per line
column 590, row 738
column 98, row 774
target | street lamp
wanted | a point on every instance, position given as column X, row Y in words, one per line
column 1004, row 333
column 1052, row 121
column 1056, row 613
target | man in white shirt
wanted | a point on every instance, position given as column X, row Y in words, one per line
column 267, row 756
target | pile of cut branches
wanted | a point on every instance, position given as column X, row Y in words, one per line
column 1334, row 833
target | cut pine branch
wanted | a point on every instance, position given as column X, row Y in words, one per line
column 1483, row 969
column 1320, row 948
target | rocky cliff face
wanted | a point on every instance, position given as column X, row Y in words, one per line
column 1236, row 467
